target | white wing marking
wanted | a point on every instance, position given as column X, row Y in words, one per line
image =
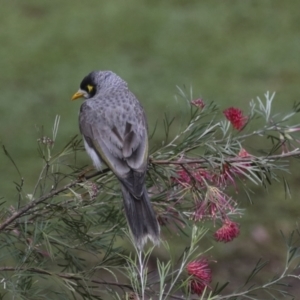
column 93, row 155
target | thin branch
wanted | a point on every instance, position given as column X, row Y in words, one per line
column 53, row 193
column 64, row 275
column 43, row 198
column 230, row 159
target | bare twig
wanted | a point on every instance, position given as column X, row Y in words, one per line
column 53, row 193
column 43, row 198
column 229, row 159
column 64, row 275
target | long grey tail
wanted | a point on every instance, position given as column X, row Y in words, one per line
column 140, row 217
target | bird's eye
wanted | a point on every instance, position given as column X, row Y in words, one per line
column 89, row 88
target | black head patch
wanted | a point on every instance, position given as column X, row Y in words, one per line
column 88, row 84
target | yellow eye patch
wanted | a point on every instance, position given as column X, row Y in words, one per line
column 90, row 87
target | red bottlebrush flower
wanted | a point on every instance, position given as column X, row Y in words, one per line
column 235, row 117
column 198, row 103
column 201, row 175
column 229, row 171
column 229, row 231
column 183, row 177
column 243, row 153
column 196, row 286
column 200, row 275
column 225, row 176
column 194, row 174
column 215, row 204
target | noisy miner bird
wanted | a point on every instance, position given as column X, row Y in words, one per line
column 114, row 129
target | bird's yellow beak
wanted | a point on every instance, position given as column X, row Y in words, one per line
column 77, row 95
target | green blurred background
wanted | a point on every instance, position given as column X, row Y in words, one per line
column 228, row 51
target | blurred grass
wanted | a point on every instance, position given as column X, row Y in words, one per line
column 229, row 52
